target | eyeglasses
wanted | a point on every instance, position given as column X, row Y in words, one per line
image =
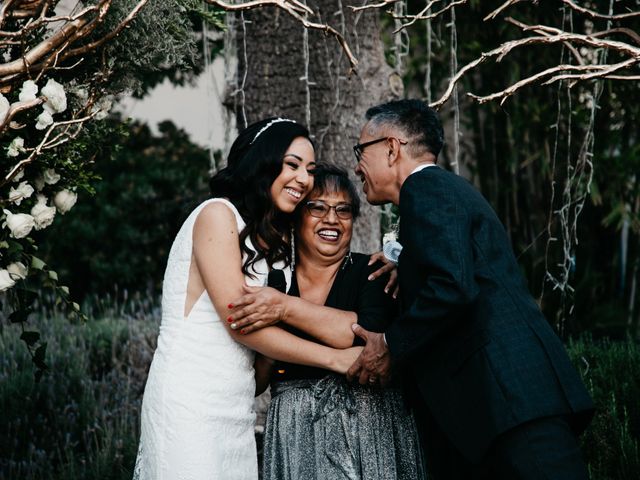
column 358, row 149
column 320, row 209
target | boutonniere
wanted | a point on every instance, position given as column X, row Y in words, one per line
column 391, row 248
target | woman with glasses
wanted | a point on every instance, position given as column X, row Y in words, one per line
column 319, row 426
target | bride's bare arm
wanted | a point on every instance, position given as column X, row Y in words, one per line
column 261, row 307
column 216, row 251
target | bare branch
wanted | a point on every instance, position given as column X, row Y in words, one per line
column 296, row 10
column 46, row 144
column 253, row 4
column 548, row 35
column 593, row 14
column 17, row 108
column 123, row 24
column 500, row 9
column 423, row 16
column 385, row 3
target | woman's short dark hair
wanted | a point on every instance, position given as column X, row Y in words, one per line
column 254, row 162
column 329, row 178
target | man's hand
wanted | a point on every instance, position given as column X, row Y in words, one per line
column 373, row 366
column 388, row 267
column 259, row 307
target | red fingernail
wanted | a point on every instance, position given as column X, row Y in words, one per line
column 230, row 305
column 229, row 319
column 242, row 331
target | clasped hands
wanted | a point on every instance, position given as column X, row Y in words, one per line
column 259, row 307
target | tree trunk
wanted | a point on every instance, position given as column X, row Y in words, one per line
column 286, row 70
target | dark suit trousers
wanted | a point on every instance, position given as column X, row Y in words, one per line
column 542, row 449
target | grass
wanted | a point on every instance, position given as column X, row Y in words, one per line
column 82, row 420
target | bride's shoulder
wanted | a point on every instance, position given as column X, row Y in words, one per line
column 219, row 208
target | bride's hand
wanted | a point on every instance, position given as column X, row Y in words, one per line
column 343, row 359
column 259, row 307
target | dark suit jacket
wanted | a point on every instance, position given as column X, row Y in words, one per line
column 470, row 335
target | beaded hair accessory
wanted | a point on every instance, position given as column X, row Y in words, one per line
column 275, row 120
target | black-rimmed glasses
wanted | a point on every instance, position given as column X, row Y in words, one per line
column 358, row 149
column 320, row 209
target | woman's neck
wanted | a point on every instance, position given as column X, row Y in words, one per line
column 317, row 268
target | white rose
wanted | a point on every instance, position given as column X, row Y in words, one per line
column 39, row 182
column 44, row 120
column 389, row 237
column 19, row 193
column 42, row 214
column 28, row 91
column 65, row 200
column 15, row 147
column 6, row 282
column 17, row 270
column 18, row 176
column 20, row 224
column 50, row 176
column 56, row 98
column 4, row 107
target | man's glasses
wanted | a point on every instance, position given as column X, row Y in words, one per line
column 320, row 209
column 358, row 149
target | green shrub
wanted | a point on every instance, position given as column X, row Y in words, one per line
column 122, row 235
column 82, row 420
column 611, row 371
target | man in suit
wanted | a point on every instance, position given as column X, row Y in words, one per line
column 494, row 392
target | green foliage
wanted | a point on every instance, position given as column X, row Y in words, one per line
column 122, row 234
column 81, row 421
column 611, row 371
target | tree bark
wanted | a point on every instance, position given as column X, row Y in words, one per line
column 304, row 75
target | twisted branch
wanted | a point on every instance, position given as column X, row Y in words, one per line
column 298, row 11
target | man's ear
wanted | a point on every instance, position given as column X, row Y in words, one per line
column 392, row 154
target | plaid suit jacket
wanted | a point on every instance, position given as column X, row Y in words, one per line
column 470, row 336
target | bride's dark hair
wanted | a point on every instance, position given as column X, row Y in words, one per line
column 254, row 162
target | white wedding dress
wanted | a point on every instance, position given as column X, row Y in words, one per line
column 197, row 411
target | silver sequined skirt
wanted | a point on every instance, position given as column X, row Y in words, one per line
column 329, row 429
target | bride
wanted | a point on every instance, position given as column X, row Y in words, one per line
column 197, row 410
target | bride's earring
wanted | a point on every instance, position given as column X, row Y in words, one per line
column 292, row 242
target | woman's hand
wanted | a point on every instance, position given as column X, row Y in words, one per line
column 388, row 267
column 259, row 307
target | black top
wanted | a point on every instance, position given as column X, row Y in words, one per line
column 350, row 291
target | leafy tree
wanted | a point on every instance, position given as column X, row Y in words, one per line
column 120, row 236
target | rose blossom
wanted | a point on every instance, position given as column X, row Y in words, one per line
column 44, row 120
column 6, row 282
column 15, row 147
column 18, row 176
column 28, row 91
column 50, row 176
column 56, row 98
column 64, row 200
column 20, row 224
column 42, row 214
column 17, row 270
column 19, row 193
column 4, row 107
